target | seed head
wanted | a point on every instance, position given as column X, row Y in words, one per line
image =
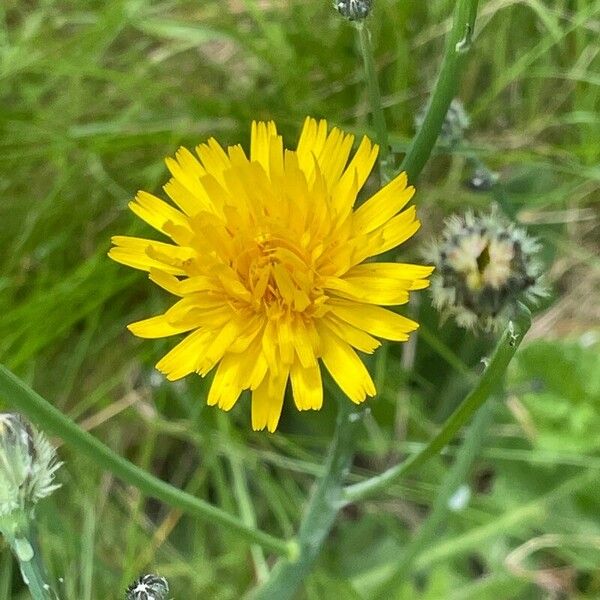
column 353, row 10
column 28, row 464
column 484, row 266
column 148, row 587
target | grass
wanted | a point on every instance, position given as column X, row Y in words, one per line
column 93, row 95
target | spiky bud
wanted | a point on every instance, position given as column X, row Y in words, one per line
column 484, row 267
column 353, row 10
column 28, row 465
column 148, row 587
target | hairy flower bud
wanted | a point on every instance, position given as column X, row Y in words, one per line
column 484, row 266
column 148, row 587
column 353, row 10
column 28, row 465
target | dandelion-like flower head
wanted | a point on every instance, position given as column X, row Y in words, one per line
column 28, row 465
column 268, row 262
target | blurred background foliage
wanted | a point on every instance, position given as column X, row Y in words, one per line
column 94, row 94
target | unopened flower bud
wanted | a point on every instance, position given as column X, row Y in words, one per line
column 148, row 587
column 484, row 267
column 28, row 465
column 353, row 10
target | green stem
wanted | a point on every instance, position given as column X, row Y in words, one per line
column 243, row 499
column 17, row 394
column 242, row 494
column 434, row 522
column 366, row 49
column 32, row 576
column 30, row 562
column 457, row 45
column 505, row 350
column 319, row 516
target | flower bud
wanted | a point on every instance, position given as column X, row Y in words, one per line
column 484, row 267
column 28, row 464
column 148, row 587
column 353, row 10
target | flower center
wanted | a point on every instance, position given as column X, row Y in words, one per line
column 279, row 276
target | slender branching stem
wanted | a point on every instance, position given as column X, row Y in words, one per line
column 381, row 131
column 30, row 561
column 457, row 45
column 319, row 516
column 244, row 500
column 434, row 523
column 31, row 404
column 505, row 350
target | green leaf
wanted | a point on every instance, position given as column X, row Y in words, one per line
column 558, row 383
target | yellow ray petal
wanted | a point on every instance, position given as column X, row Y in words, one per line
column 185, row 188
column 396, row 231
column 303, row 343
column 252, row 330
column 156, row 327
column 219, row 345
column 168, row 257
column 252, row 365
column 357, row 337
column 183, row 358
column 380, row 208
column 370, row 290
column 374, row 319
column 344, row 193
column 400, row 271
column 166, row 281
column 307, row 386
column 362, row 162
column 261, row 137
column 199, row 310
column 270, row 345
column 225, row 389
column 175, row 256
column 157, row 213
column 345, row 367
column 189, row 163
column 310, row 144
column 133, row 253
column 334, row 156
column 191, row 203
column 285, row 340
column 267, row 401
column 213, row 158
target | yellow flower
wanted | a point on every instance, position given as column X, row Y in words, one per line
column 268, row 262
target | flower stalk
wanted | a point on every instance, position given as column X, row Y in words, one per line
column 18, row 395
column 244, row 501
column 28, row 465
column 21, row 542
column 457, row 47
column 379, row 122
column 503, row 353
column 455, row 477
column 323, row 507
